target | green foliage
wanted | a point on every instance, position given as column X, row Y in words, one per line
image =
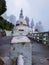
column 2, row 6
column 4, row 24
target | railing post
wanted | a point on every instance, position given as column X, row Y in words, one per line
column 48, row 38
column 44, row 38
column 40, row 37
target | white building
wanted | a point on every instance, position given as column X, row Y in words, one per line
column 21, row 26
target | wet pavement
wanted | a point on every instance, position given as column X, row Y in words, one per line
column 40, row 53
column 5, row 46
column 5, row 40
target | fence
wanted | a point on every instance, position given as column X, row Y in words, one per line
column 42, row 37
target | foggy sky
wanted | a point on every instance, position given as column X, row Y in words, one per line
column 36, row 9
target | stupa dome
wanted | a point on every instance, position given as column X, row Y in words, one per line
column 21, row 19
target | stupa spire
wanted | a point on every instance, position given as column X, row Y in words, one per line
column 21, row 14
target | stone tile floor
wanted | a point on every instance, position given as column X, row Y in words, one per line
column 40, row 53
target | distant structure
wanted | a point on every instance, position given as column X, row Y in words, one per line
column 39, row 27
column 27, row 20
column 12, row 19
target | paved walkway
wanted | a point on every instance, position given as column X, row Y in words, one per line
column 5, row 40
column 5, row 46
column 40, row 53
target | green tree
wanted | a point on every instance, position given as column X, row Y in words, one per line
column 2, row 6
column 4, row 24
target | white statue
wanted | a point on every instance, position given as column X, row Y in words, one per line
column 20, row 60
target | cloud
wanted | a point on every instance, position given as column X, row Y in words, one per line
column 38, row 9
column 14, row 6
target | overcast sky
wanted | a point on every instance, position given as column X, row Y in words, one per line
column 36, row 9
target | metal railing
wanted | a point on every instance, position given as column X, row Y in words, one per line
column 42, row 37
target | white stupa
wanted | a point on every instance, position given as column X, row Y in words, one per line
column 21, row 27
column 21, row 47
